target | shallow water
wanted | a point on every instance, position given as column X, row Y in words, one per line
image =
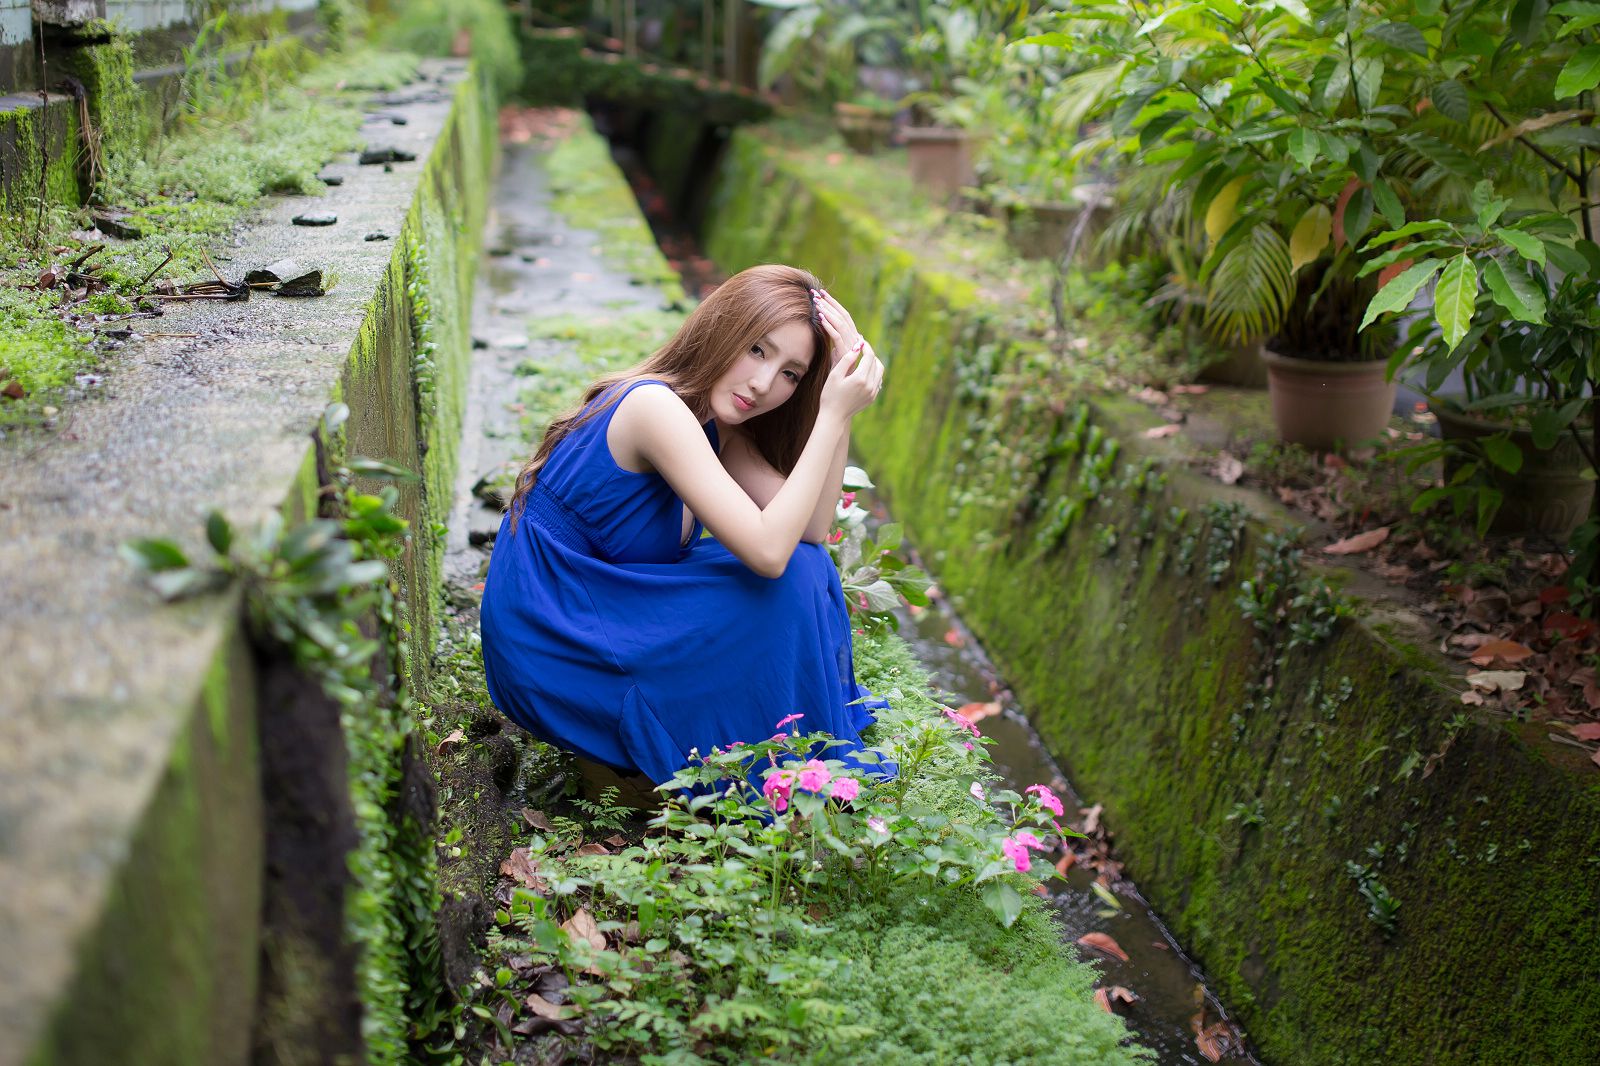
column 1171, row 987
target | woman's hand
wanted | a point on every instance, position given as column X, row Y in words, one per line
column 853, row 383
column 837, row 324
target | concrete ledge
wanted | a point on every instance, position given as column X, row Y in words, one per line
column 130, row 815
column 1242, row 777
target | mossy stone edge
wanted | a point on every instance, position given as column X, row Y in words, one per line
column 168, row 972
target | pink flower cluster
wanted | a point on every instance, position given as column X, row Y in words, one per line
column 1017, row 846
column 956, row 717
column 848, row 499
column 1047, row 799
column 814, row 776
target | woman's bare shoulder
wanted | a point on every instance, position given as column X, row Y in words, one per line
column 644, row 415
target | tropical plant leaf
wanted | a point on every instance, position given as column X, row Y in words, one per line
column 1368, row 76
column 1581, row 73
column 1223, row 209
column 1388, row 203
column 1514, row 290
column 1401, row 35
column 1249, row 292
column 1503, row 452
column 1310, row 236
column 1398, row 294
column 1450, row 97
column 1455, row 298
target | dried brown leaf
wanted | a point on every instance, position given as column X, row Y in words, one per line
column 1361, row 542
column 1228, row 468
column 456, row 736
column 545, row 1009
column 1103, row 942
column 581, row 927
column 537, row 819
column 1507, row 651
column 1158, row 432
column 594, row 849
column 521, row 869
column 1586, row 730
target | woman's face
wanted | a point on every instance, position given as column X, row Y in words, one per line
column 765, row 375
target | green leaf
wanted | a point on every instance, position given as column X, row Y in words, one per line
column 1368, row 77
column 1387, row 203
column 219, row 532
column 1335, row 148
column 1450, row 97
column 1502, row 452
column 1303, row 146
column 1455, row 299
column 1526, row 245
column 1401, row 35
column 181, row 584
column 379, row 468
column 1003, row 901
column 154, row 555
column 334, row 416
column 1581, row 73
column 1357, row 215
column 1515, row 291
column 1410, row 229
column 1157, row 127
column 1527, row 20
column 1397, row 295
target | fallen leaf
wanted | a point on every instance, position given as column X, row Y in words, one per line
column 456, row 736
column 1568, row 625
column 1154, row 397
column 520, row 868
column 1472, row 698
column 617, row 840
column 1471, row 641
column 14, row 390
column 977, row 712
column 593, row 849
column 1108, row 997
column 1213, row 1041
column 1103, row 942
column 1586, row 731
column 1064, row 863
column 1595, row 758
column 1091, row 818
column 954, row 638
column 1228, row 469
column 545, row 1009
column 581, row 928
column 1191, row 390
column 1157, row 432
column 1508, row 651
column 1553, row 595
column 1361, row 542
column 537, row 819
column 1498, row 680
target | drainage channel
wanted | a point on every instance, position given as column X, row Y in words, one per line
column 1170, row 1007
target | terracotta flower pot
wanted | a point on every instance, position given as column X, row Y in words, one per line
column 940, row 159
column 1548, row 495
column 1327, row 406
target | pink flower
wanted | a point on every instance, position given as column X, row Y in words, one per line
column 836, row 536
column 1017, row 846
column 956, row 717
column 968, row 746
column 814, row 775
column 977, row 791
column 877, row 825
column 735, row 744
column 1017, row 854
column 776, row 789
column 848, row 499
column 785, row 721
column 1049, row 800
column 845, row 789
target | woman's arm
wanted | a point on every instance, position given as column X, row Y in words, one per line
column 761, row 482
column 653, row 423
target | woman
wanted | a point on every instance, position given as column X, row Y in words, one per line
column 610, row 627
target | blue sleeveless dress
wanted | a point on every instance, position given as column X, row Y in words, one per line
column 606, row 635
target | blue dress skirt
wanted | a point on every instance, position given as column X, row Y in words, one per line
column 606, row 635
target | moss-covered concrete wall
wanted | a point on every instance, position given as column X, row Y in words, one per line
column 167, row 970
column 1367, row 874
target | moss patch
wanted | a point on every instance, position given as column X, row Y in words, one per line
column 1265, row 799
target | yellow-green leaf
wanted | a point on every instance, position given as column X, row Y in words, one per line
column 1581, row 73
column 1397, row 295
column 1455, row 298
column 1310, row 236
column 1223, row 211
column 1514, row 290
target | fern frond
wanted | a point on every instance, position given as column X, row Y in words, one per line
column 1249, row 291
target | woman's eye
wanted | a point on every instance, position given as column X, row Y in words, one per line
column 794, row 378
column 756, row 348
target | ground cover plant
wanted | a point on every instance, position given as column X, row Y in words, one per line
column 799, row 913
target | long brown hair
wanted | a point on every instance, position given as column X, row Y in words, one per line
column 741, row 311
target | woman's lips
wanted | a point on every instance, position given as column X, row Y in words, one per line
column 742, row 404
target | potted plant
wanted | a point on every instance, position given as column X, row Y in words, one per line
column 864, row 122
column 938, row 144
